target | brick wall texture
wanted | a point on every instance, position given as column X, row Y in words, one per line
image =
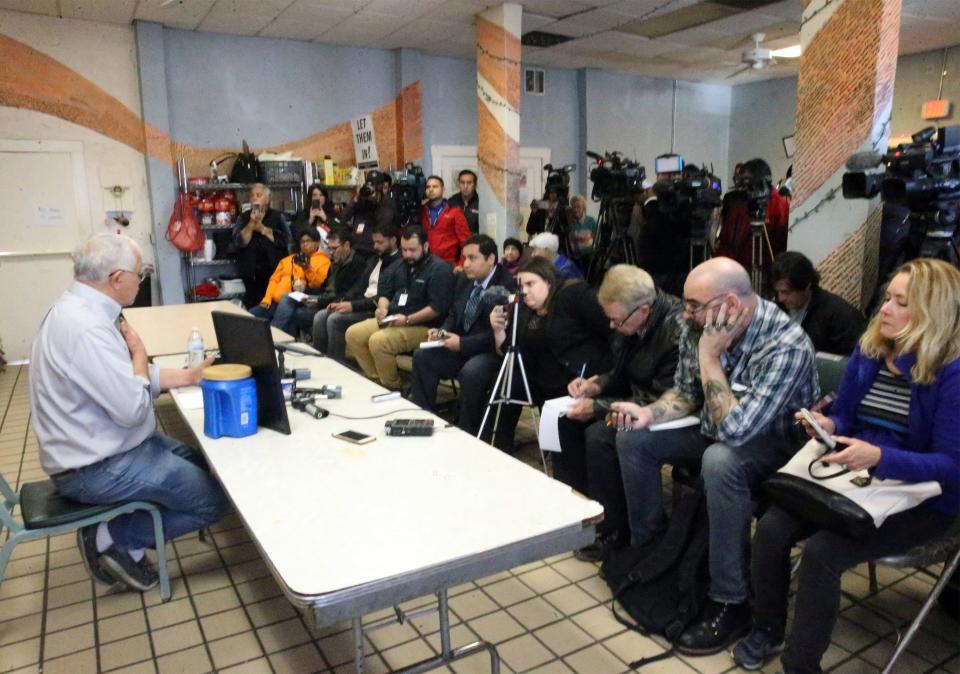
column 850, row 270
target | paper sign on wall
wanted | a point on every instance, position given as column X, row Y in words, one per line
column 365, row 142
column 48, row 216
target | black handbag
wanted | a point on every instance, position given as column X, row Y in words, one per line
column 245, row 167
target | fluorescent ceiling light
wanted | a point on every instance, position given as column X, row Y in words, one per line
column 791, row 52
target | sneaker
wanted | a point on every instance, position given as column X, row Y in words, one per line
column 717, row 628
column 87, row 542
column 757, row 647
column 135, row 575
column 590, row 553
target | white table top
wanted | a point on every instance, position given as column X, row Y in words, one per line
column 330, row 515
column 165, row 329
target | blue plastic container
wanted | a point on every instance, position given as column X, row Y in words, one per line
column 229, row 401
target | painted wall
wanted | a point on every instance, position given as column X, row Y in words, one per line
column 634, row 115
column 105, row 55
column 918, row 80
column 761, row 114
column 223, row 88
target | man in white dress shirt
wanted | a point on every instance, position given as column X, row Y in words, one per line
column 91, row 398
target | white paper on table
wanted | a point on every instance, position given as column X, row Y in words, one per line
column 682, row 422
column 550, row 415
column 191, row 398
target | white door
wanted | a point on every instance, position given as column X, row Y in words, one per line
column 46, row 214
column 449, row 160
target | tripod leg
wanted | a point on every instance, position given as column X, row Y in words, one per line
column 536, row 424
column 493, row 396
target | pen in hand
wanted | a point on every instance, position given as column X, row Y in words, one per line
column 583, row 370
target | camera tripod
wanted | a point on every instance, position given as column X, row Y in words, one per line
column 612, row 244
column 502, row 392
column 758, row 237
column 559, row 224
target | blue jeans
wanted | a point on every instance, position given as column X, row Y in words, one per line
column 261, row 311
column 475, row 374
column 292, row 316
column 729, row 474
column 159, row 470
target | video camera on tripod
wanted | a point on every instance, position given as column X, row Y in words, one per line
column 556, row 193
column 408, row 192
column 752, row 185
column 690, row 200
column 925, row 176
column 615, row 176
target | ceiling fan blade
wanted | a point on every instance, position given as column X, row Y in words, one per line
column 734, row 74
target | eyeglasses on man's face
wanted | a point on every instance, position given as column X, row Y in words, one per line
column 619, row 324
column 693, row 307
column 139, row 274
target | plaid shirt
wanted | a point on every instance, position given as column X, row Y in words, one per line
column 770, row 370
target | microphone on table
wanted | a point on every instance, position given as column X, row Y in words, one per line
column 293, row 347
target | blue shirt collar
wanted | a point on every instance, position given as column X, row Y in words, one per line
column 110, row 307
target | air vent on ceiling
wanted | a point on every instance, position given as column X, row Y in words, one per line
column 539, row 38
column 534, row 81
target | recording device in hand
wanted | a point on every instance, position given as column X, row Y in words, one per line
column 315, row 203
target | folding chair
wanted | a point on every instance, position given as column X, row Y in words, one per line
column 46, row 513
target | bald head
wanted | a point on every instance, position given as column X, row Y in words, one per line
column 720, row 275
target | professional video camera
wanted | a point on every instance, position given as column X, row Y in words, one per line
column 689, row 201
column 557, row 191
column 617, row 184
column 408, row 192
column 615, row 177
column 924, row 175
column 372, row 183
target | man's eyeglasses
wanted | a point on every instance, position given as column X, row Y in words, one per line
column 332, row 249
column 693, row 307
column 140, row 274
column 619, row 324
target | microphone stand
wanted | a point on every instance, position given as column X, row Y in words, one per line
column 502, row 392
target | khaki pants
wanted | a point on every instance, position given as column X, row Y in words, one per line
column 376, row 348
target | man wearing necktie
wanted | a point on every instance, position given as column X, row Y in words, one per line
column 464, row 343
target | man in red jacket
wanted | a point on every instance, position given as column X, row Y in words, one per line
column 734, row 239
column 446, row 226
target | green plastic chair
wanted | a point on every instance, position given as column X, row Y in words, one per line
column 46, row 513
column 830, row 369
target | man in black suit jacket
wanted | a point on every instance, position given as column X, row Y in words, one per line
column 464, row 342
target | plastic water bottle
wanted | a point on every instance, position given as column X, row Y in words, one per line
column 194, row 348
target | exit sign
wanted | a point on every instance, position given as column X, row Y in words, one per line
column 936, row 109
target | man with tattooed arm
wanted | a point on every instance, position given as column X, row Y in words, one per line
column 745, row 368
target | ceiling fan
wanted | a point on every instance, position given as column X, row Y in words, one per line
column 759, row 57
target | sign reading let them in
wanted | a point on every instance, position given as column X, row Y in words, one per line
column 365, row 142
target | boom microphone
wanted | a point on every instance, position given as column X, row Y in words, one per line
column 864, row 161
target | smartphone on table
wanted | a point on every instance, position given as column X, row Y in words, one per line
column 355, row 437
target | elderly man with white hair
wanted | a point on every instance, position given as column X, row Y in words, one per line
column 744, row 369
column 91, row 398
column 547, row 244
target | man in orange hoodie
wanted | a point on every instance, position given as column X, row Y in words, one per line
column 305, row 271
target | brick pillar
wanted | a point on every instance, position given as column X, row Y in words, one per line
column 498, row 118
column 844, row 100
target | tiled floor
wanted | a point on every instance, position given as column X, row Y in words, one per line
column 227, row 613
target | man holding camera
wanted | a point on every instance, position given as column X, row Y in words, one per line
column 464, row 341
column 412, row 298
column 372, row 206
column 467, row 199
column 446, row 226
column 744, row 369
column 262, row 240
column 305, row 271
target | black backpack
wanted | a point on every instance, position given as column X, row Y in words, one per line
column 663, row 584
column 245, row 167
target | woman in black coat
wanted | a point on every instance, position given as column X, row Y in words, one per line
column 562, row 333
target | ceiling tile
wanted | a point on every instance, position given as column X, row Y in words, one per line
column 292, row 30
column 321, row 10
column 186, row 15
column 693, row 37
column 648, row 9
column 588, row 23
column 933, row 9
column 531, row 21
column 48, row 7
column 106, row 11
column 455, row 10
column 365, row 27
column 918, row 35
column 404, row 8
column 777, row 35
column 236, row 23
column 786, row 9
column 556, row 8
column 745, row 23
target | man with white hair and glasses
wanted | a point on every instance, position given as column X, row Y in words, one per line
column 91, row 399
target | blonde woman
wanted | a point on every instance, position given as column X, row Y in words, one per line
column 897, row 410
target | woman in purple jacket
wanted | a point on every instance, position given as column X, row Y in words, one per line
column 897, row 410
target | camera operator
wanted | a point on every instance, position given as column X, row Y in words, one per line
column 467, row 199
column 752, row 199
column 371, row 207
column 541, row 211
column 262, row 239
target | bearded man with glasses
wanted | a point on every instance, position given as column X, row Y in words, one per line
column 744, row 369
